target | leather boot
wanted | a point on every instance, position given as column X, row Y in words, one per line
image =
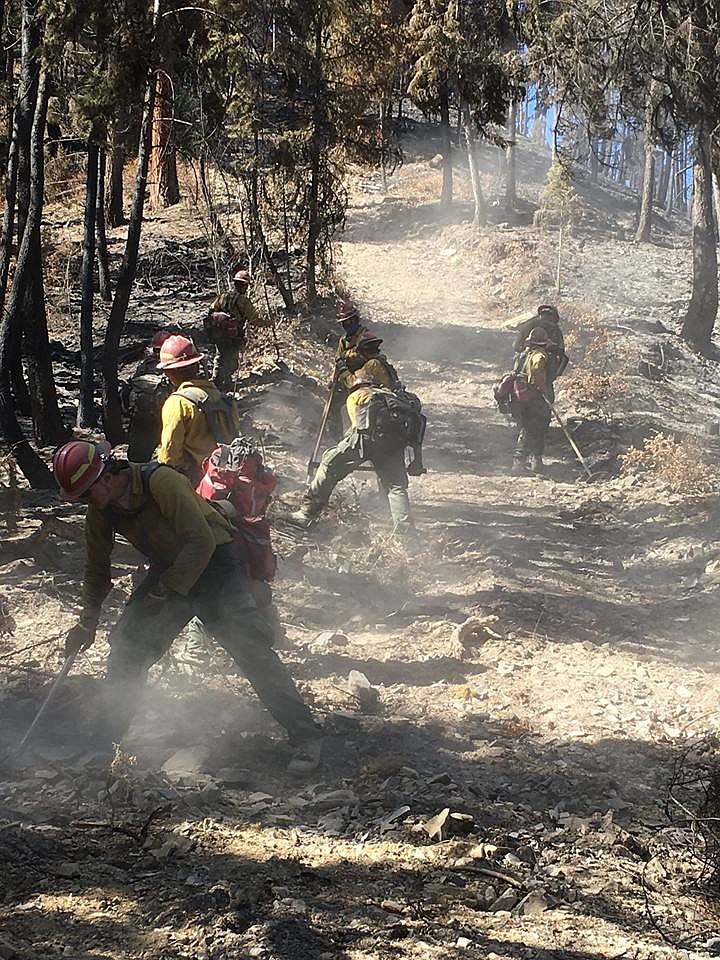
column 308, row 511
column 519, row 467
column 537, row 464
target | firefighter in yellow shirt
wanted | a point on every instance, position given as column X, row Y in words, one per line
column 196, row 416
column 371, row 437
column 231, row 315
column 195, row 571
column 533, row 414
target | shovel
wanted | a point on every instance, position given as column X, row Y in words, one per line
column 570, row 440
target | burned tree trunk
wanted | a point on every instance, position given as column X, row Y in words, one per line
column 86, row 414
column 101, row 236
column 699, row 321
column 112, row 416
column 28, row 292
column 162, row 178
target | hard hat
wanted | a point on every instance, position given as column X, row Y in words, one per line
column 368, row 340
column 77, row 465
column 347, row 311
column 159, row 339
column 538, row 337
column 242, row 276
column 548, row 309
column 178, row 351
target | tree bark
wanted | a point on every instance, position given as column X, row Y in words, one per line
column 33, row 468
column 86, row 413
column 446, row 194
column 664, row 180
column 480, row 211
column 314, row 186
column 699, row 321
column 102, row 250
column 162, row 178
column 648, row 188
column 112, row 415
column 28, row 294
column 116, row 162
column 510, row 166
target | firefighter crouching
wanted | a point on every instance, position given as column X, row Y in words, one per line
column 196, row 569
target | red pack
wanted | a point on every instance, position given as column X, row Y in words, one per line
column 223, row 326
column 236, row 475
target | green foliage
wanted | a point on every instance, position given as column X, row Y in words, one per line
column 560, row 204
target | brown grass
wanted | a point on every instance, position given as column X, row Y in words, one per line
column 677, row 464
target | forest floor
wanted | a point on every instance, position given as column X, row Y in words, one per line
column 507, row 797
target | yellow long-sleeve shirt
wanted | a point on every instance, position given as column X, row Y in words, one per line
column 375, row 369
column 186, row 439
column 536, row 370
column 173, row 527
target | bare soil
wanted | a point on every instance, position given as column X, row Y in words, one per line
column 507, row 798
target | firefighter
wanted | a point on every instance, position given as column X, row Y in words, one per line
column 195, row 570
column 347, row 360
column 143, row 397
column 548, row 318
column 226, row 325
column 187, row 437
column 371, row 438
column 532, row 413
column 366, row 357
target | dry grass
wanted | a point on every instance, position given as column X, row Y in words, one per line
column 595, row 378
column 677, row 464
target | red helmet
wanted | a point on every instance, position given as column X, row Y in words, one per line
column 538, row 337
column 347, row 311
column 159, row 339
column 368, row 341
column 242, row 276
column 77, row 465
column 178, row 351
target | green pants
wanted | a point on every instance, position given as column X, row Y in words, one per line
column 241, row 620
column 533, row 419
column 225, row 365
column 339, row 462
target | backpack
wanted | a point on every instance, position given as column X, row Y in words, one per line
column 252, row 533
column 393, row 419
column 220, row 325
column 237, row 481
column 221, row 414
column 513, row 388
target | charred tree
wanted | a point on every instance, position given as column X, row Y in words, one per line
column 86, row 413
column 100, row 234
column 313, row 204
column 112, row 415
column 699, row 321
column 648, row 189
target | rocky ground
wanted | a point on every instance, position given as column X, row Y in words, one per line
column 542, row 653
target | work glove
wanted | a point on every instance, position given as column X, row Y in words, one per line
column 79, row 637
column 341, row 367
column 154, row 600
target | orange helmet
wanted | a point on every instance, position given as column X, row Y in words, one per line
column 77, row 465
column 538, row 337
column 347, row 311
column 178, row 351
column 242, row 276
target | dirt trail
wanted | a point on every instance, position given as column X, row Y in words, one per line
column 505, row 800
